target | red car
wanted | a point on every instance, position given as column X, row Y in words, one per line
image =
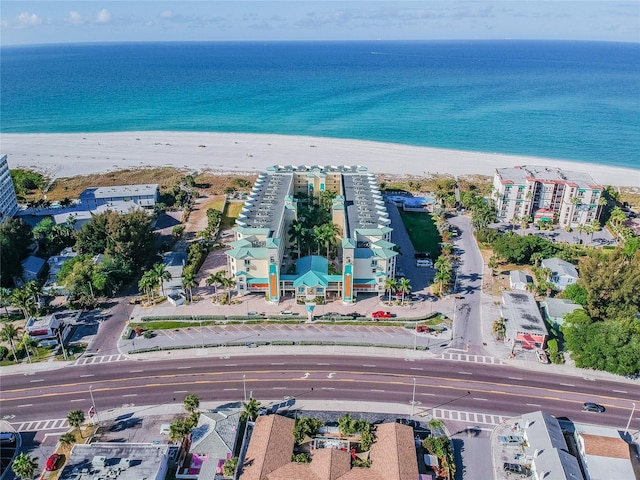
column 381, row 314
column 52, row 461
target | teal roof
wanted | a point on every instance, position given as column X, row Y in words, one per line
column 367, row 281
column 312, row 262
column 348, row 243
column 311, row 279
column 248, row 252
column 273, row 242
column 384, row 253
column 384, row 244
column 251, row 281
column 251, row 230
column 374, row 231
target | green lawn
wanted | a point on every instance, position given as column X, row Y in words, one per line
column 422, row 231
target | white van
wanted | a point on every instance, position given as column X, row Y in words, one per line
column 424, row 262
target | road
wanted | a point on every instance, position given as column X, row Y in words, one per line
column 495, row 389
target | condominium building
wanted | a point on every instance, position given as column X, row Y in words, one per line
column 546, row 194
column 145, row 195
column 261, row 260
column 8, row 199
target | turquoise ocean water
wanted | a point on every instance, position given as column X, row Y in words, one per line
column 567, row 100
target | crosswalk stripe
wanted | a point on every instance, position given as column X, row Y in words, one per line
column 100, row 359
column 52, row 424
column 462, row 357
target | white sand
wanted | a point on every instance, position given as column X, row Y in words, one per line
column 67, row 155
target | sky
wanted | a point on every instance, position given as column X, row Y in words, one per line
column 24, row 22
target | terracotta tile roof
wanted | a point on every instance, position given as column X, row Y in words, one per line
column 270, row 446
column 605, row 446
column 393, row 456
column 394, row 453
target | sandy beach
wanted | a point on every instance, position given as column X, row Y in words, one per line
column 68, row 155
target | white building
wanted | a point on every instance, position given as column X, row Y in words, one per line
column 546, row 194
column 143, row 195
column 605, row 455
column 8, row 199
column 563, row 273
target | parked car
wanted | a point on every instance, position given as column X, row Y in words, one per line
column 52, row 462
column 593, row 407
column 511, row 440
column 542, row 356
column 514, row 468
column 406, row 421
column 381, row 314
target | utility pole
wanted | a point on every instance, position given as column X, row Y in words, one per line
column 244, row 386
column 64, row 352
column 413, row 397
column 93, row 404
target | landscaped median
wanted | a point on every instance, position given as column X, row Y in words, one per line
column 433, row 322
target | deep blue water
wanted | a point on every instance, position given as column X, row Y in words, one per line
column 569, row 100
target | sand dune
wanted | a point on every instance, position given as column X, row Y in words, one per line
column 67, row 155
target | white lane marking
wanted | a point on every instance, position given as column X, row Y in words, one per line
column 231, row 365
column 279, row 388
column 26, row 405
column 183, row 368
column 533, row 405
column 514, row 378
column 567, row 385
column 620, row 391
column 279, row 363
column 87, row 375
column 78, row 400
column 323, row 364
column 181, row 391
column 368, row 365
column 375, row 390
column 416, row 368
column 428, row 394
column 130, row 395
column 39, row 380
column 229, row 389
column 136, row 371
column 482, row 399
column 327, row 388
column 465, row 373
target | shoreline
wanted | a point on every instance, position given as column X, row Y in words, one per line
column 73, row 154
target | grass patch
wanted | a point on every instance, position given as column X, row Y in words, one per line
column 422, row 232
column 231, row 212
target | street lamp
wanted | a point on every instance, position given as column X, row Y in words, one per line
column 626, row 429
column 244, row 386
column 413, row 397
column 93, row 404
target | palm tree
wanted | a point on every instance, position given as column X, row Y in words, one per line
column 189, row 280
column 296, row 233
column 327, row 234
column 191, row 403
column 24, row 301
column 404, row 286
column 215, row 279
column 147, row 283
column 390, row 285
column 347, row 425
column 67, row 439
column 525, row 221
column 5, row 299
column 28, row 343
column 161, row 274
column 76, row 419
column 8, row 334
column 34, row 289
column 228, row 283
column 24, row 466
column 179, row 429
column 250, row 410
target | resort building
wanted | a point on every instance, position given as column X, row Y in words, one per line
column 142, row 195
column 261, row 259
column 523, row 322
column 8, row 199
column 546, row 194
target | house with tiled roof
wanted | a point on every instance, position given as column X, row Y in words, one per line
column 604, row 453
column 260, row 257
column 268, row 456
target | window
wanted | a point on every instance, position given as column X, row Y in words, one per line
column 247, row 263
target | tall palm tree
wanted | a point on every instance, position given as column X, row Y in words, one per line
column 296, row 233
column 34, row 289
column 5, row 299
column 191, row 403
column 250, row 410
column 189, row 281
column 161, row 274
column 28, row 343
column 24, row 301
column 147, row 284
column 24, row 466
column 390, row 285
column 404, row 286
column 76, row 419
column 215, row 279
column 179, row 429
column 9, row 333
column 228, row 283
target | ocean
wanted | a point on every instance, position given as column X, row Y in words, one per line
column 566, row 100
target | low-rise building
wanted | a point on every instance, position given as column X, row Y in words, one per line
column 145, row 195
column 32, row 267
column 518, row 280
column 524, row 324
column 46, row 330
column 393, row 455
column 554, row 310
column 55, row 263
column 116, row 461
column 563, row 273
column 605, row 455
column 547, row 449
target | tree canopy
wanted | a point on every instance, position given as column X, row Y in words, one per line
column 15, row 238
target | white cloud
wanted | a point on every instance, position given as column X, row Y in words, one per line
column 104, row 16
column 75, row 18
column 166, row 14
column 26, row 19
